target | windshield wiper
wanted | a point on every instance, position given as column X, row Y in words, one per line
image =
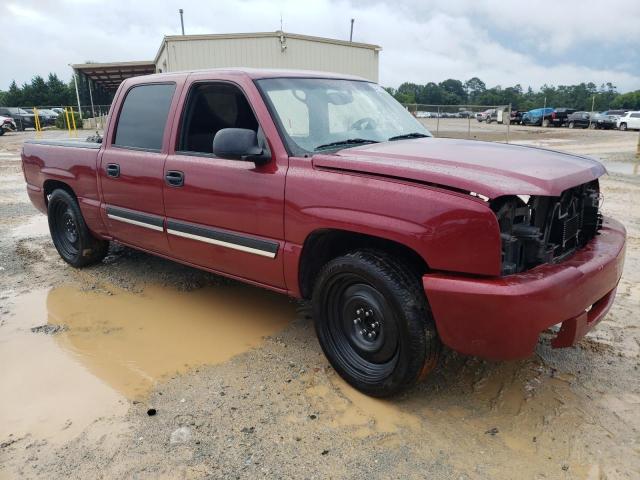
column 408, row 135
column 348, row 141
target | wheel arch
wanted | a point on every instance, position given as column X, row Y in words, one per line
column 325, row 244
column 50, row 185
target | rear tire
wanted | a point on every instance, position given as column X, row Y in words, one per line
column 71, row 237
column 373, row 322
column 623, row 126
column 545, row 123
column 571, row 124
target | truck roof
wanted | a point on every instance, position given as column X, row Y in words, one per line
column 253, row 73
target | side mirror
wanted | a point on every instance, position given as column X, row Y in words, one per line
column 238, row 144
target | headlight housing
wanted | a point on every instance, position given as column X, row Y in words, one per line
column 541, row 229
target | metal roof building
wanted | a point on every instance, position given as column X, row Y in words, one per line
column 275, row 50
column 267, row 50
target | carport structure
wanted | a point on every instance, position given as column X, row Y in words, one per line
column 98, row 82
column 109, row 76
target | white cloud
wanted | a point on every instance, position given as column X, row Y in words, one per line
column 422, row 41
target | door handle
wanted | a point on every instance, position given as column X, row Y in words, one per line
column 174, row 178
column 113, row 170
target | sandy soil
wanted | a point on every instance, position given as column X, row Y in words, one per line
column 143, row 368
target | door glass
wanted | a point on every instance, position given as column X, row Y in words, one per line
column 212, row 107
column 143, row 117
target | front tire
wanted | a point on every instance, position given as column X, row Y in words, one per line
column 571, row 124
column 623, row 126
column 71, row 237
column 545, row 123
column 373, row 322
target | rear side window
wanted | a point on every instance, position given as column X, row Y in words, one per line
column 143, row 117
column 635, row 115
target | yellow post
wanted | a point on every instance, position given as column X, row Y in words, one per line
column 73, row 119
column 66, row 116
column 36, row 120
column 638, row 148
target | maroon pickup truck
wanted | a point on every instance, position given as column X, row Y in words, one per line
column 324, row 187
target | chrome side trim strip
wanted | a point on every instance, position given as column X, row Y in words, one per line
column 135, row 222
column 221, row 243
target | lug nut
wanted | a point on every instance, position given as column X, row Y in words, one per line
column 370, row 334
column 357, row 320
column 367, row 313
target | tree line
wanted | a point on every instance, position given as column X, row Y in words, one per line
column 39, row 92
column 55, row 92
column 475, row 92
column 51, row 92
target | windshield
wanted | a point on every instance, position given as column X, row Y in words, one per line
column 320, row 114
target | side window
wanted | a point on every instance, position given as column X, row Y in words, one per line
column 143, row 117
column 635, row 115
column 212, row 107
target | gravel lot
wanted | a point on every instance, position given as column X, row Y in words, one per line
column 143, row 368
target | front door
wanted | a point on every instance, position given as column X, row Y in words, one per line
column 132, row 168
column 224, row 214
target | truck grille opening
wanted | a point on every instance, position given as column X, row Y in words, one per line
column 541, row 229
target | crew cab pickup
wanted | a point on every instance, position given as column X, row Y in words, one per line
column 323, row 187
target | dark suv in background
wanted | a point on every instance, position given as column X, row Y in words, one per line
column 558, row 117
column 579, row 120
column 22, row 118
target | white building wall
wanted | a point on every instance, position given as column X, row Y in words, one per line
column 265, row 51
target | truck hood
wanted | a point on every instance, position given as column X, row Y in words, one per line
column 487, row 168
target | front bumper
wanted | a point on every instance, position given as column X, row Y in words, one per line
column 502, row 318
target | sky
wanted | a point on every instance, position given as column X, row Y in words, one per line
column 503, row 42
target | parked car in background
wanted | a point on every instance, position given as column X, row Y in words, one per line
column 558, row 117
column 579, row 120
column 47, row 116
column 487, row 114
column 466, row 114
column 617, row 113
column 604, row 120
column 536, row 116
column 58, row 110
column 7, row 124
column 629, row 121
column 23, row 119
column 516, row 117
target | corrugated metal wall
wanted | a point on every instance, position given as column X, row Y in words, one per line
column 267, row 52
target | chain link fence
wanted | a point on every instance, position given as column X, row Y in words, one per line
column 465, row 121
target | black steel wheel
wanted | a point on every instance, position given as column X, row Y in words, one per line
column 71, row 237
column 373, row 322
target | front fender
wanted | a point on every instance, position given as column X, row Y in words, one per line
column 451, row 231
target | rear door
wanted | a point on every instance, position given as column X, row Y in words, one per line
column 225, row 214
column 634, row 120
column 132, row 166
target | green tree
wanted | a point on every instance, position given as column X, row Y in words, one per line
column 13, row 97
column 629, row 100
column 474, row 88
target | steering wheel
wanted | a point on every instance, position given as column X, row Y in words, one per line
column 366, row 123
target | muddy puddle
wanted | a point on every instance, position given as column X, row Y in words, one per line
column 69, row 357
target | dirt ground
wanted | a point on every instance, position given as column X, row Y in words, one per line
column 142, row 368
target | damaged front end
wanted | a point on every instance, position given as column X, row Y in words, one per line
column 540, row 229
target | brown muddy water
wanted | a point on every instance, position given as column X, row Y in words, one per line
column 113, row 346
